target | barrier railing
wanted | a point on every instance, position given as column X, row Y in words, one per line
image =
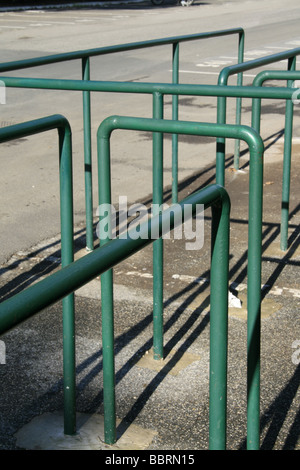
column 64, row 282
column 66, row 216
column 254, row 215
column 254, row 244
column 201, row 90
column 157, row 89
column 259, row 80
column 224, row 75
column 85, row 56
column 160, row 126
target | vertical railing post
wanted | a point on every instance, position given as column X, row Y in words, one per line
column 67, row 257
column 158, row 349
column 107, row 307
column 175, row 80
column 220, row 151
column 254, row 294
column 288, row 136
column 219, row 324
column 287, row 154
column 87, row 156
column 239, row 100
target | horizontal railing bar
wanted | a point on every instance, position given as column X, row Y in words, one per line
column 67, row 56
column 230, row 91
column 70, row 278
column 245, row 133
column 276, row 75
column 255, row 63
column 36, row 126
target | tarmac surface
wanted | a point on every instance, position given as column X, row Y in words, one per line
column 162, row 405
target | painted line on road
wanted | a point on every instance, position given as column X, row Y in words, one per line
column 240, row 286
column 12, row 27
column 30, row 22
column 202, row 72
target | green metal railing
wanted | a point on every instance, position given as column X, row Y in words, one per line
column 157, row 89
column 224, row 75
column 85, row 56
column 211, row 195
column 64, row 282
column 201, row 90
column 259, row 80
column 256, row 149
column 66, row 215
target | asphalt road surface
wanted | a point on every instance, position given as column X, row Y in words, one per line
column 29, row 209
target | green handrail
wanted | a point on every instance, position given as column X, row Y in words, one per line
column 224, row 75
column 197, row 90
column 67, row 56
column 84, row 56
column 64, row 282
column 230, row 91
column 66, row 216
column 152, row 88
column 256, row 148
column 259, row 80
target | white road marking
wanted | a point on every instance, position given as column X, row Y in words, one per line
column 210, row 73
column 12, row 27
column 294, row 43
column 213, row 63
column 240, row 287
column 277, row 47
column 40, row 23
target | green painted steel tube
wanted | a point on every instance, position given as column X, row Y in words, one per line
column 287, row 155
column 256, row 149
column 239, row 100
column 254, row 294
column 175, row 81
column 86, row 96
column 189, row 90
column 221, row 110
column 85, row 56
column 259, row 80
column 158, row 250
column 219, row 324
column 107, row 305
column 62, row 283
column 67, row 255
column 67, row 56
column 68, row 279
column 226, row 72
column 200, row 90
column 149, row 88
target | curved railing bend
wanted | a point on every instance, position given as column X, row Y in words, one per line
column 67, row 255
